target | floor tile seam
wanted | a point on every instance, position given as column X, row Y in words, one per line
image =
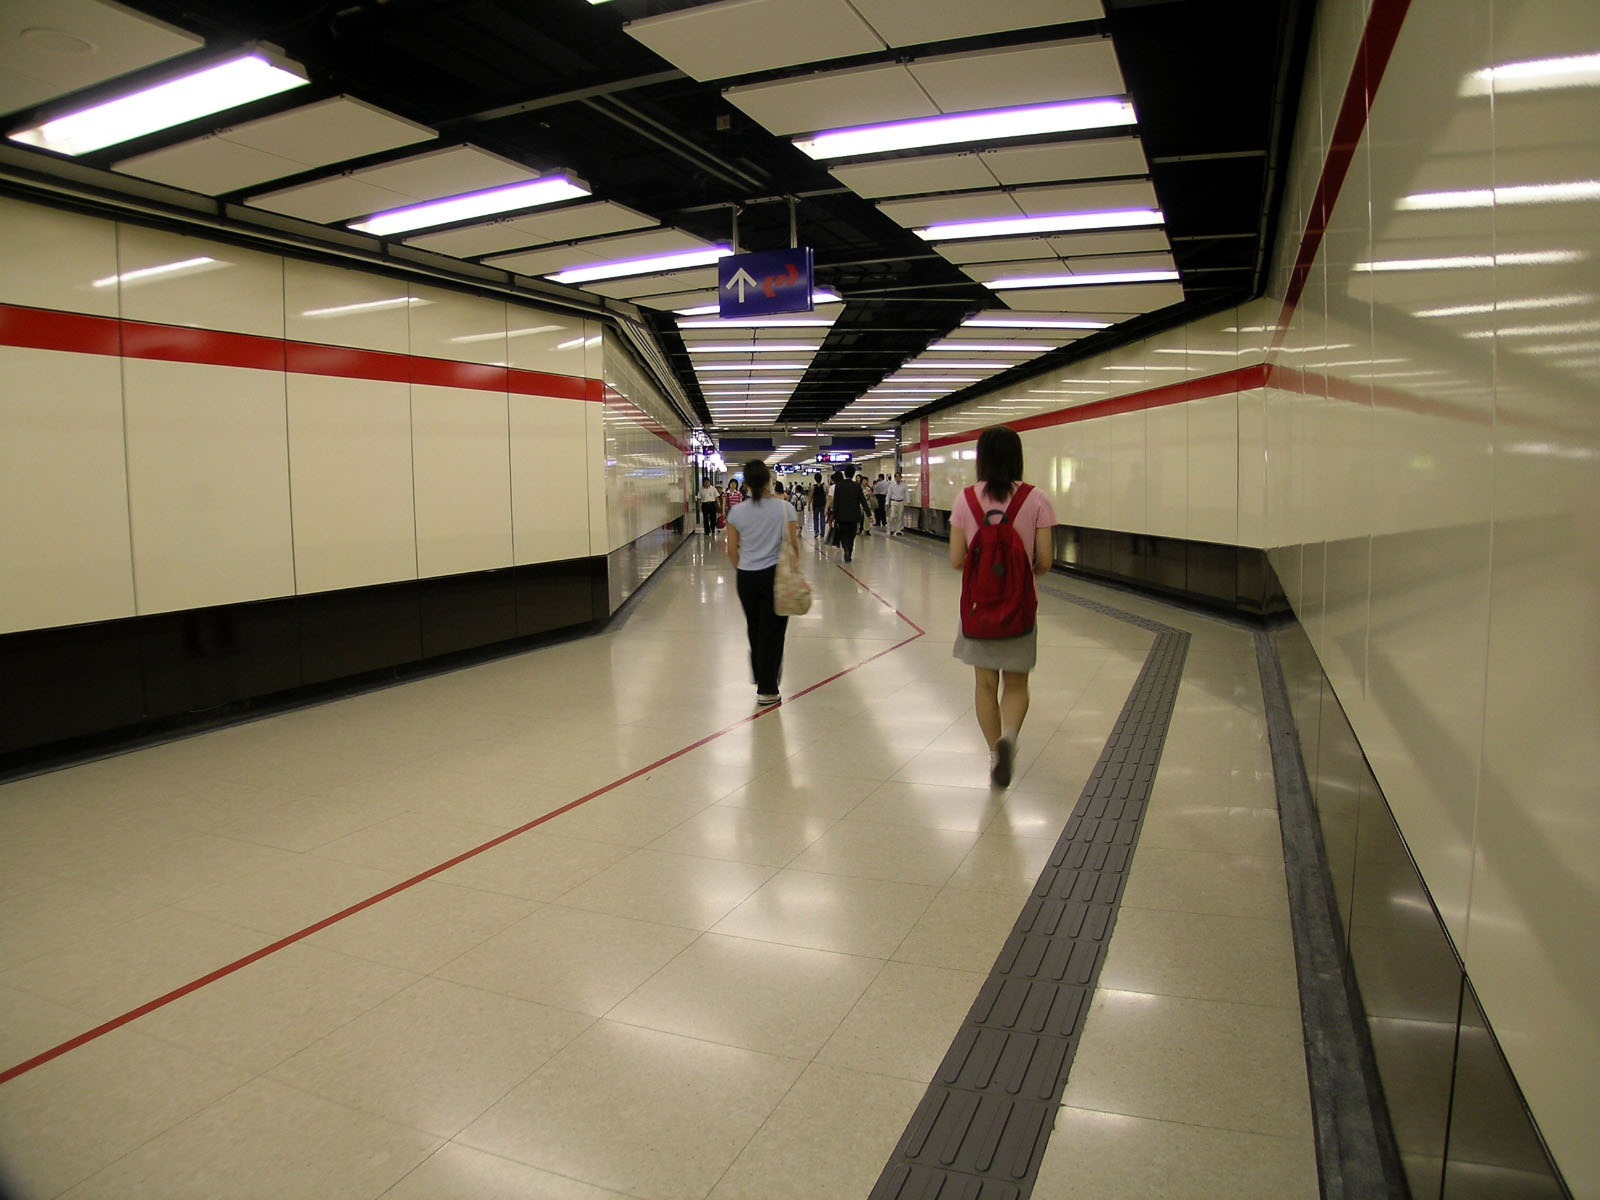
column 1288, row 1139
column 228, row 969
column 1219, row 1001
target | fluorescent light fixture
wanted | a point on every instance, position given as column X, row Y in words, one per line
column 947, row 379
column 1530, row 193
column 510, row 333
column 1535, row 75
column 143, row 274
column 1532, row 258
column 551, row 189
column 1031, row 323
column 970, row 127
column 223, row 86
column 990, row 347
column 957, row 366
column 658, row 264
column 1531, row 302
column 1060, row 223
column 758, row 323
column 818, row 296
column 1107, row 277
column 789, row 366
column 757, row 348
column 760, row 392
column 366, row 306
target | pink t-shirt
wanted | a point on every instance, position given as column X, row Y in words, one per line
column 1034, row 515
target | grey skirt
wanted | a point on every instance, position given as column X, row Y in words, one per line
column 998, row 654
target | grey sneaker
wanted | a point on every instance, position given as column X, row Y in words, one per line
column 767, row 699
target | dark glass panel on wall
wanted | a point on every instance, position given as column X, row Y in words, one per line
column 1337, row 788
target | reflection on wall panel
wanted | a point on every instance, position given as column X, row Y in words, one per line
column 173, row 279
column 64, row 532
column 549, row 478
column 350, row 474
column 57, row 260
column 461, row 451
column 645, row 446
column 208, row 485
column 338, row 307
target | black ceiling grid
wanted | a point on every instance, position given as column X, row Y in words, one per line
column 563, row 84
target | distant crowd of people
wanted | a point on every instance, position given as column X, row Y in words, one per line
column 837, row 517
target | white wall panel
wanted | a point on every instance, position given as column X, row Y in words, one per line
column 350, row 475
column 453, row 325
column 461, row 450
column 594, row 427
column 63, row 491
column 208, row 483
column 1128, row 470
column 1253, row 467
column 172, row 279
column 549, row 478
column 1166, row 491
column 340, row 307
column 545, row 341
column 54, row 260
column 1212, row 502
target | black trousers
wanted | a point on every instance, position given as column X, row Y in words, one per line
column 708, row 518
column 819, row 519
column 847, row 537
column 882, row 506
column 765, row 628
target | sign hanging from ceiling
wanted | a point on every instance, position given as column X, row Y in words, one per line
column 759, row 285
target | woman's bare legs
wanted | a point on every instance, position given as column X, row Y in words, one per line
column 986, row 698
column 1014, row 704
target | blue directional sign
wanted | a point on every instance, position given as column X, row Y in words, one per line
column 758, row 285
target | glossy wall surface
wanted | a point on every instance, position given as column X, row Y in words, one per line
column 188, row 424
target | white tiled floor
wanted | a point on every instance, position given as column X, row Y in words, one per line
column 730, row 976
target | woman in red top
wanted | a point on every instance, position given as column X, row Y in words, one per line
column 997, row 660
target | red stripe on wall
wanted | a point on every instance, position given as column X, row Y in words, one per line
column 1240, row 380
column 562, row 387
column 203, row 347
column 44, row 329
column 344, row 362
column 1372, row 59
column 444, row 372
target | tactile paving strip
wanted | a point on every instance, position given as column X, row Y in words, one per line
column 981, row 1129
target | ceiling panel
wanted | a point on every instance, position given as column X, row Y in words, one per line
column 982, row 250
column 535, row 229
column 430, row 176
column 609, row 249
column 916, row 22
column 1074, row 70
column 1095, row 159
column 915, row 176
column 680, row 300
column 835, row 100
column 1124, row 298
column 741, row 37
column 654, row 285
column 51, row 47
column 329, row 131
column 985, row 272
column 970, row 206
column 1086, row 197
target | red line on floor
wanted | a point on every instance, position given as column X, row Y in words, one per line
column 195, row 985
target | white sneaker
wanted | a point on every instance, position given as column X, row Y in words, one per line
column 767, row 699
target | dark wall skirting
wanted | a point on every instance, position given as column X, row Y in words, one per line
column 1461, row 1126
column 629, row 566
column 1236, row 579
column 73, row 690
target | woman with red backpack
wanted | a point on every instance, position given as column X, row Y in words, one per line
column 1000, row 538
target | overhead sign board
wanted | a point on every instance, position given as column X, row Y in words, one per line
column 759, row 285
column 836, row 456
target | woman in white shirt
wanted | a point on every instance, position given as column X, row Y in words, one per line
column 757, row 531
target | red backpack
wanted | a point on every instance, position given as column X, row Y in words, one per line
column 997, row 595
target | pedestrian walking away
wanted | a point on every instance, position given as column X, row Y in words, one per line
column 1015, row 518
column 710, row 502
column 880, row 500
column 757, row 531
column 819, row 506
column 849, row 510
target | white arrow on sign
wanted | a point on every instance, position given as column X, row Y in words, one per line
column 743, row 280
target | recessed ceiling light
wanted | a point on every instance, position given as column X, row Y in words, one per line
column 789, row 366
column 551, row 189
column 199, row 94
column 957, row 366
column 756, row 348
column 655, row 265
column 990, row 347
column 1106, row 277
column 1060, row 223
column 969, row 127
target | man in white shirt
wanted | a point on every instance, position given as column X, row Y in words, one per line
column 898, row 494
column 708, row 508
